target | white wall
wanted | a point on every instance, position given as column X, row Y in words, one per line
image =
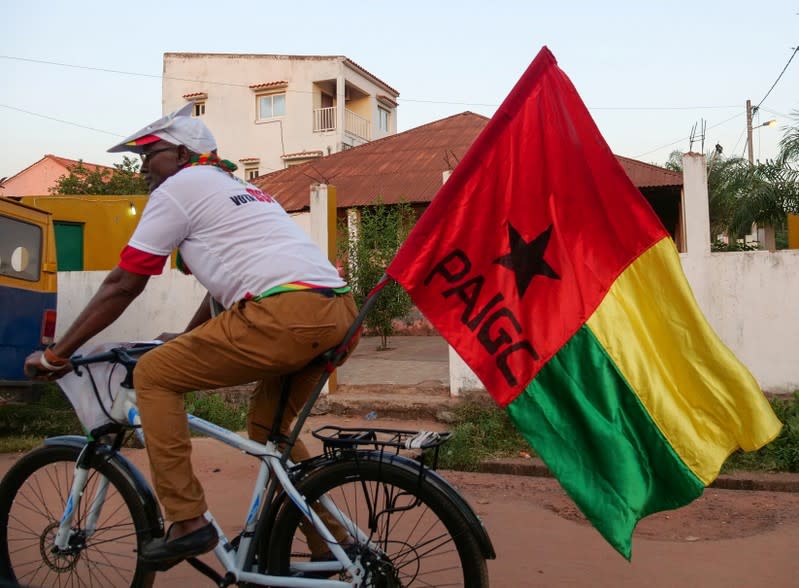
column 750, row 298
column 166, row 305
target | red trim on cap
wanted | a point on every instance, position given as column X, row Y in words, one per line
column 145, row 140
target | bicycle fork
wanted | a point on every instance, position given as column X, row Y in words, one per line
column 64, row 536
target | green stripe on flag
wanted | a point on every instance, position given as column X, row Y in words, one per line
column 587, row 424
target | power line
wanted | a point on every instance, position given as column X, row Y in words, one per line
column 66, row 122
column 795, row 50
column 452, row 103
column 416, row 100
column 774, row 112
column 685, row 138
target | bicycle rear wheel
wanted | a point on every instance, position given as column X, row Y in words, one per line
column 32, row 499
column 416, row 536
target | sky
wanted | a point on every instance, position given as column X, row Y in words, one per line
column 75, row 77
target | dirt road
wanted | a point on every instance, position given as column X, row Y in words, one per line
column 726, row 539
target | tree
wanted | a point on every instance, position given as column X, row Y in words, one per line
column 123, row 180
column 741, row 194
column 789, row 144
column 381, row 231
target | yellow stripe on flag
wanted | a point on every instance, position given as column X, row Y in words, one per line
column 705, row 402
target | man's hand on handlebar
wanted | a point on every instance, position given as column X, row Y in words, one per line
column 36, row 370
column 164, row 337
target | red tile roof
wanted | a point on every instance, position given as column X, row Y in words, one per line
column 387, row 99
column 265, row 85
column 647, row 175
column 407, row 167
column 68, row 163
column 196, row 96
column 369, row 74
column 303, row 154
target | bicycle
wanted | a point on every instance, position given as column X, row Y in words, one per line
column 406, row 525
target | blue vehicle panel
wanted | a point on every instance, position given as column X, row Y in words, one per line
column 21, row 314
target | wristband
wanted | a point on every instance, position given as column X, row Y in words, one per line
column 49, row 366
column 52, row 359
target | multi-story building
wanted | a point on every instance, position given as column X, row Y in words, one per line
column 268, row 112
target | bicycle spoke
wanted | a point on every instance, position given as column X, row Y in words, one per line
column 103, row 558
column 413, row 533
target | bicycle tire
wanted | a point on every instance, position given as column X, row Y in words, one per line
column 373, row 482
column 32, row 498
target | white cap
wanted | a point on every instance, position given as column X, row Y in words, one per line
column 178, row 128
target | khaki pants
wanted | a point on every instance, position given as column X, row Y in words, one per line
column 251, row 341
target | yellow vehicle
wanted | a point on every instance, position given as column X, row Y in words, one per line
column 28, row 285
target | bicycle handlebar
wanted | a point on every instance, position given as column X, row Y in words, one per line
column 127, row 356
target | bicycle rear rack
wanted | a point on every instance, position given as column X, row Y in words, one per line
column 337, row 440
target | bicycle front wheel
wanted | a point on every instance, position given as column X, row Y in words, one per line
column 412, row 533
column 33, row 496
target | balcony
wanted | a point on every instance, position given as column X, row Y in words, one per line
column 324, row 119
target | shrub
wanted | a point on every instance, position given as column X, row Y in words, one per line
column 482, row 431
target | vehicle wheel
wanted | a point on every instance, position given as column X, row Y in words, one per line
column 416, row 536
column 33, row 495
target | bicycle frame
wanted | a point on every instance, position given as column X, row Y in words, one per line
column 273, row 468
column 232, row 559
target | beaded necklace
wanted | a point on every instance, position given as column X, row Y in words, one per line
column 212, row 159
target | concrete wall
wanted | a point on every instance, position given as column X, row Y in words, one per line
column 166, row 305
column 748, row 297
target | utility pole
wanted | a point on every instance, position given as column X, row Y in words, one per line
column 768, row 240
column 749, row 131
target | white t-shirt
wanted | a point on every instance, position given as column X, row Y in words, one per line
column 236, row 240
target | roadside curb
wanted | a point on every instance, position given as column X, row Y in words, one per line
column 761, row 481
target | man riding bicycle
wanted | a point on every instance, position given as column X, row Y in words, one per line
column 285, row 304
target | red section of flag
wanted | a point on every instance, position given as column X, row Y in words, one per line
column 521, row 244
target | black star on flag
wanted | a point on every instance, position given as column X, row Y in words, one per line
column 525, row 259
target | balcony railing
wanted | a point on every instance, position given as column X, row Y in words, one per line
column 324, row 119
column 357, row 125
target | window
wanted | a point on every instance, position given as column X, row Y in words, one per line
column 383, row 119
column 199, row 108
column 271, row 106
column 20, row 249
column 250, row 173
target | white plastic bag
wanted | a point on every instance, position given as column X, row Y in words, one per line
column 93, row 401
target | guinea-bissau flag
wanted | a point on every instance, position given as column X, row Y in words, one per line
column 550, row 275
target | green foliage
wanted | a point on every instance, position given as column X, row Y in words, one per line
column 123, row 180
column 782, row 454
column 382, row 230
column 741, row 193
column 482, row 431
column 49, row 416
column 735, row 246
column 212, row 407
column 789, row 144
